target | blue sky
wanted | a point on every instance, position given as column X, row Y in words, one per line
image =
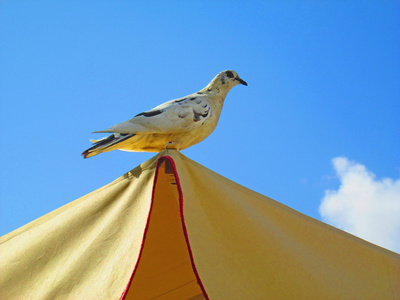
column 323, row 83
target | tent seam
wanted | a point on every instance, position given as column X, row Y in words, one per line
column 178, row 184
column 125, row 292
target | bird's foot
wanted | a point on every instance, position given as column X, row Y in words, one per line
column 172, row 145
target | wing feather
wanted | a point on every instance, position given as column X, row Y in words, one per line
column 172, row 116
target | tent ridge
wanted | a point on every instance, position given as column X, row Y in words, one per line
column 125, row 292
column 178, row 184
column 159, row 161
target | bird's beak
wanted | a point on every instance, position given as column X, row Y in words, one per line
column 241, row 81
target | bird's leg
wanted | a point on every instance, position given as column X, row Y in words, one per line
column 172, row 145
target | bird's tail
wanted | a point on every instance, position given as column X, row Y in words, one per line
column 105, row 143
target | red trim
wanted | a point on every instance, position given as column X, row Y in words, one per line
column 178, row 184
column 125, row 292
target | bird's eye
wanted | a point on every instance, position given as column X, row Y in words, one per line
column 229, row 74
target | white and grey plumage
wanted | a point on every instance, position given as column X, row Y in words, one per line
column 178, row 123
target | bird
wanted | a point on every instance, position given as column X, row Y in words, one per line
column 175, row 124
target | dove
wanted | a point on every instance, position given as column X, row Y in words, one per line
column 176, row 124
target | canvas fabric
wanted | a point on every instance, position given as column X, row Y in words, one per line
column 173, row 229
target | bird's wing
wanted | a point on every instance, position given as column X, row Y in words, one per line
column 178, row 115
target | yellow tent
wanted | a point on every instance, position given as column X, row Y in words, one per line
column 172, row 229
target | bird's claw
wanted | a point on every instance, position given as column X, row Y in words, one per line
column 172, row 145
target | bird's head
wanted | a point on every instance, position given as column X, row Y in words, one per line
column 227, row 80
column 230, row 78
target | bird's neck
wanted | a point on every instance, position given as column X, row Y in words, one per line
column 216, row 89
column 218, row 94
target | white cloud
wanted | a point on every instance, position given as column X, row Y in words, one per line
column 364, row 205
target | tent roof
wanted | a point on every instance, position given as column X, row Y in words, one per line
column 172, row 229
